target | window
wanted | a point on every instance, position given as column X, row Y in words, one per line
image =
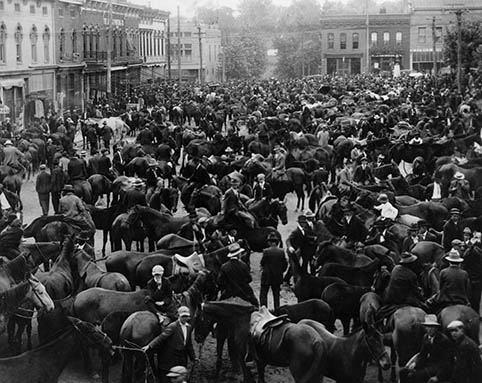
column 374, row 38
column 386, row 38
column 72, row 12
column 188, row 50
column 187, row 34
column 85, row 42
column 438, row 34
column 3, row 38
column 32, row 9
column 17, row 7
column 2, row 6
column 61, row 12
column 355, row 41
column 422, row 31
column 62, row 43
column 46, row 38
column 18, row 43
column 331, row 41
column 74, row 41
column 33, row 43
column 398, row 38
column 342, row 40
column 45, row 11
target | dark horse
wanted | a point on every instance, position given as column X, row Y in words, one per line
column 267, row 213
column 278, row 342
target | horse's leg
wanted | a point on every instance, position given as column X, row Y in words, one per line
column 152, row 245
column 105, row 362
column 220, row 339
column 393, row 358
column 18, row 334
column 260, row 366
column 28, row 329
column 127, row 364
column 85, row 353
column 11, row 335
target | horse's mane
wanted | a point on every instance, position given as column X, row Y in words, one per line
column 150, row 212
column 17, row 268
column 10, row 298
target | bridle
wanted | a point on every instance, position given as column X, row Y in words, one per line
column 374, row 356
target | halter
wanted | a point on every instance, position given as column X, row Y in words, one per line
column 34, row 289
column 371, row 352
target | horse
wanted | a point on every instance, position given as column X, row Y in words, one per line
column 164, row 196
column 83, row 190
column 359, row 276
column 142, row 326
column 209, row 197
column 267, row 213
column 103, row 219
column 280, row 343
column 466, row 315
column 100, row 185
column 296, row 180
column 345, row 358
column 92, row 275
column 327, row 252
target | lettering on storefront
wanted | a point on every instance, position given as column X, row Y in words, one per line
column 116, row 22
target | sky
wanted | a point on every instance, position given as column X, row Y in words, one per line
column 187, row 7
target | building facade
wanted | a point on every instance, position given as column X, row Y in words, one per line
column 429, row 20
column 27, row 66
column 194, row 39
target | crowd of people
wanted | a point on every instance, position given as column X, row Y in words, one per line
column 354, row 139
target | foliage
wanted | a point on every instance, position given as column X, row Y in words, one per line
column 245, row 56
column 471, row 46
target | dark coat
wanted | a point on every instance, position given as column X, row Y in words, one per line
column 57, row 179
column 454, row 286
column 43, row 183
column 429, row 237
column 451, row 231
column 403, row 287
column 104, row 164
column 231, row 202
column 152, row 175
column 163, row 152
column 77, row 169
column 363, row 175
column 260, row 193
column 93, row 165
column 189, row 231
column 407, row 244
column 435, row 357
column 473, row 263
column 273, row 265
column 466, row 365
column 234, row 279
column 164, row 294
column 145, row 137
column 304, row 242
column 200, row 176
column 10, row 239
column 355, row 231
column 171, row 348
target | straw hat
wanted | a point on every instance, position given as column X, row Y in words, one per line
column 455, row 324
column 454, row 257
column 177, row 371
column 431, row 320
column 459, row 176
column 158, row 270
column 234, row 250
column 68, row 188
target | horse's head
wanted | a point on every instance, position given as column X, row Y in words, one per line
column 134, row 215
column 38, row 295
column 375, row 347
column 92, row 336
column 280, row 210
column 203, row 324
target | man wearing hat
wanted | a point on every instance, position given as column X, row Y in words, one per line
column 262, row 190
column 11, row 237
column 135, row 195
column 363, row 174
column 174, row 345
column 434, row 359
column 473, row 265
column 423, row 233
column 104, row 164
column 412, row 239
column 353, row 227
column 233, row 209
column 273, row 265
column 77, row 169
column 466, row 364
column 453, row 229
column 459, row 187
column 403, row 288
column 234, row 277
column 200, row 176
column 454, row 284
column 160, row 299
column 192, row 230
column 153, row 176
column 118, row 160
column 57, row 182
column 42, row 187
column 12, row 155
column 278, row 163
column 107, row 134
column 178, row 374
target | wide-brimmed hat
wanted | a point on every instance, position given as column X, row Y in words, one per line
column 455, row 324
column 407, row 257
column 43, row 167
column 236, row 177
column 234, row 250
column 151, row 162
column 454, row 256
column 431, row 320
column 364, row 159
column 183, row 311
column 467, row 230
column 459, row 176
column 177, row 371
column 454, row 210
column 68, row 188
column 229, row 150
column 8, row 142
column 272, row 237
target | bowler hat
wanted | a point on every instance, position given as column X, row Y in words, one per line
column 183, row 311
column 407, row 257
column 68, row 188
column 193, row 214
column 177, row 371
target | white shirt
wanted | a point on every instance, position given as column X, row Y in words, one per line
column 387, row 210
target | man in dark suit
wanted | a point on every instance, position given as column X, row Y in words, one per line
column 233, row 209
column 118, row 160
column 363, row 174
column 262, row 189
column 191, row 230
column 473, row 265
column 234, row 277
column 434, row 362
column 77, row 169
column 353, row 227
column 273, row 265
column 135, row 196
column 453, row 229
column 412, row 239
column 42, row 187
column 104, row 163
column 423, row 233
column 160, row 301
column 174, row 344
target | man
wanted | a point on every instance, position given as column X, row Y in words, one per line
column 387, row 210
column 153, row 176
column 92, row 138
column 453, row 229
column 423, row 233
column 353, row 227
column 77, row 169
column 118, row 160
column 233, row 209
column 104, row 164
column 467, row 237
column 345, row 177
column 301, row 243
column 454, row 284
column 12, row 155
column 11, row 237
column 473, row 265
column 434, row 359
column 262, row 190
column 192, row 231
column 363, row 174
column 93, row 162
column 75, row 213
column 412, row 239
column 459, row 187
column 234, row 277
column 178, row 374
column 403, row 288
column 135, row 195
column 160, row 300
column 466, row 365
column 57, row 182
column 278, row 160
column 273, row 264
column 107, row 134
column 174, row 344
column 43, row 186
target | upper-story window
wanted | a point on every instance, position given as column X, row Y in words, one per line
column 3, row 41
column 355, row 40
column 2, row 5
column 331, row 41
column 33, row 43
column 187, row 34
column 16, row 7
column 18, row 43
column 386, row 38
column 422, row 34
column 45, row 11
column 439, row 34
column 374, row 38
column 62, row 43
column 342, row 40
column 398, row 38
column 74, row 40
column 61, row 12
column 32, row 9
column 46, row 39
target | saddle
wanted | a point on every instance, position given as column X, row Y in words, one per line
column 266, row 322
column 187, row 265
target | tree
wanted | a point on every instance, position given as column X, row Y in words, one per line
column 471, row 46
column 245, row 56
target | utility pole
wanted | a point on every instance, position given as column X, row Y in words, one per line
column 108, row 87
column 179, row 45
column 169, row 47
column 223, row 63
column 367, row 38
column 321, row 53
column 302, row 54
column 458, row 13
column 201, row 73
column 434, row 49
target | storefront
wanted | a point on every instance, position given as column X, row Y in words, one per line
column 12, row 95
column 39, row 98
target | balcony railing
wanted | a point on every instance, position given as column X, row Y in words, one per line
column 101, row 57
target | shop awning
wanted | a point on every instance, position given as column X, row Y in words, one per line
column 116, row 68
column 13, row 82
